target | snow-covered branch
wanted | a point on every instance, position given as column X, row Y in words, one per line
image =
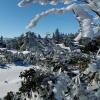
column 81, row 11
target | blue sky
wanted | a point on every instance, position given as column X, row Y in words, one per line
column 13, row 19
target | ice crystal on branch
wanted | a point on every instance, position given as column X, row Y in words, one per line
column 80, row 8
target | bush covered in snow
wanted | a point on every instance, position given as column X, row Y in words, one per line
column 63, row 73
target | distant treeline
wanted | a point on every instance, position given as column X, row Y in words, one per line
column 31, row 39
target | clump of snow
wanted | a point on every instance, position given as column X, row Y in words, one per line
column 26, row 52
column 64, row 47
column 13, row 51
column 2, row 49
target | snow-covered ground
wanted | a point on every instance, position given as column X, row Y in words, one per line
column 9, row 79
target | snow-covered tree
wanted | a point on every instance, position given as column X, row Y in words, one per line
column 81, row 9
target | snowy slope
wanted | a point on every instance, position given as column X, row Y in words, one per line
column 9, row 79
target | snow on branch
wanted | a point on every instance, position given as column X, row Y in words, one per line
column 81, row 11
